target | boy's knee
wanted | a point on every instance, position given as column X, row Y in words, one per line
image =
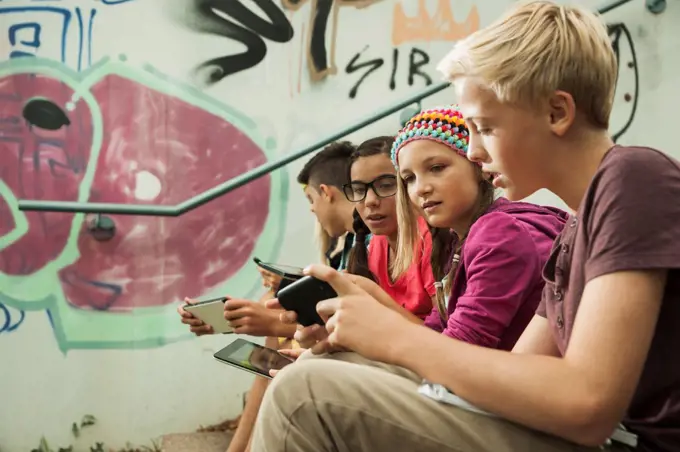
column 348, row 357
column 300, row 383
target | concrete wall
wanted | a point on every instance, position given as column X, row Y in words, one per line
column 155, row 101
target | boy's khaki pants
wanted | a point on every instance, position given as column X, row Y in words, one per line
column 344, row 402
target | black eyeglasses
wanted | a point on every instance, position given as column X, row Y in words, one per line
column 383, row 186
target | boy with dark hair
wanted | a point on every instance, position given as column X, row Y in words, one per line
column 322, row 179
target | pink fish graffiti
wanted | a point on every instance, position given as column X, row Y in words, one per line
column 151, row 261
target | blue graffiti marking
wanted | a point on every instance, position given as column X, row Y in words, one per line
column 79, row 16
column 8, row 326
column 26, row 38
column 104, row 2
column 90, row 26
column 14, row 30
column 50, row 318
column 36, row 42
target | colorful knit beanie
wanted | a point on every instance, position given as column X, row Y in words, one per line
column 444, row 125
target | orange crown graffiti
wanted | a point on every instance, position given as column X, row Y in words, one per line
column 440, row 26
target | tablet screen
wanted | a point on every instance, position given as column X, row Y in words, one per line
column 253, row 357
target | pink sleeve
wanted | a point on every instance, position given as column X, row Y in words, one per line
column 502, row 266
column 434, row 321
column 425, row 265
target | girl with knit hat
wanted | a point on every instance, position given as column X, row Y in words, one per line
column 487, row 252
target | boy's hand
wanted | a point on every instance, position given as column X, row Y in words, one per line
column 252, row 317
column 354, row 319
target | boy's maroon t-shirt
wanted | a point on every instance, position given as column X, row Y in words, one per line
column 629, row 219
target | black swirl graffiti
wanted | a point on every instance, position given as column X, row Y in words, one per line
column 231, row 19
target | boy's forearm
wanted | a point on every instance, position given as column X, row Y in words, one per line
column 388, row 302
column 411, row 317
column 520, row 388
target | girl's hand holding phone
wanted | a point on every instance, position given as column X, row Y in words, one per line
column 270, row 280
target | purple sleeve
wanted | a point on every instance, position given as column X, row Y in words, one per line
column 434, row 320
column 502, row 266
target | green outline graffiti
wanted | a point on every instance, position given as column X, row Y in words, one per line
column 76, row 328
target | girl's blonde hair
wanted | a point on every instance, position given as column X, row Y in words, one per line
column 409, row 236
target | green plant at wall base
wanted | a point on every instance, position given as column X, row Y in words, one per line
column 155, row 447
column 87, row 421
column 99, row 447
column 45, row 447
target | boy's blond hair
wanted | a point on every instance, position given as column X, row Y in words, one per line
column 539, row 47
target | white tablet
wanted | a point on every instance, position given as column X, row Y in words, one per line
column 211, row 312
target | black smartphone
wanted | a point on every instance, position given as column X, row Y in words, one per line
column 288, row 273
column 302, row 297
column 252, row 357
column 280, row 269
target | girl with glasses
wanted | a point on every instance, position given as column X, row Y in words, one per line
column 372, row 187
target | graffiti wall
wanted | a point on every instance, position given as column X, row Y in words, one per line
column 151, row 102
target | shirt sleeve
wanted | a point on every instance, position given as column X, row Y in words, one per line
column 502, row 267
column 434, row 321
column 541, row 310
column 633, row 215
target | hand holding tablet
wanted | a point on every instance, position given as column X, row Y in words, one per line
column 210, row 312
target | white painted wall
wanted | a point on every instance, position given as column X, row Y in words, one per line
column 133, row 366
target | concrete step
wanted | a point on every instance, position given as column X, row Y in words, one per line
column 196, row 442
